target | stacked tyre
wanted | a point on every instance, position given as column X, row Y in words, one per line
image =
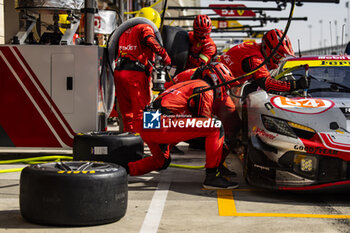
column 108, row 146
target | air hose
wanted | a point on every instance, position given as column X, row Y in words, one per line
column 57, row 158
column 11, row 170
column 263, row 63
column 186, row 166
column 33, row 160
column 37, row 159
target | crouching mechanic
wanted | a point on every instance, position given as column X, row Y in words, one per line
column 137, row 45
column 246, row 57
column 223, row 107
column 187, row 115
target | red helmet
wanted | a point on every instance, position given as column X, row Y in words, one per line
column 216, row 73
column 202, row 26
column 270, row 41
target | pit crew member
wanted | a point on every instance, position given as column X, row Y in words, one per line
column 202, row 47
column 182, row 103
column 137, row 45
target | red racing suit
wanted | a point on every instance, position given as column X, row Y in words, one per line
column 201, row 51
column 137, row 45
column 175, row 103
column 185, row 75
column 224, row 109
column 245, row 57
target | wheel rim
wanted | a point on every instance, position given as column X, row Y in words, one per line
column 107, row 133
column 77, row 166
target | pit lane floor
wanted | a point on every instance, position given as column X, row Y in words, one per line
column 173, row 200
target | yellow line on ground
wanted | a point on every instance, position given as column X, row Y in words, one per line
column 226, row 203
column 227, row 207
column 290, row 215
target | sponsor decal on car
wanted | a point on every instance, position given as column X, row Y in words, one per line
column 302, row 105
column 315, row 150
column 322, row 61
column 335, row 63
column 336, row 57
column 262, row 133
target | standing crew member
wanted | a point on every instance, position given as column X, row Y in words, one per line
column 202, row 47
column 182, row 105
column 137, row 45
column 245, row 57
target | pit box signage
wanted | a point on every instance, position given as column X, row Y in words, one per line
column 232, row 12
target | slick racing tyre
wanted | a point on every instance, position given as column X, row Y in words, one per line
column 176, row 43
column 73, row 193
column 108, row 146
column 247, row 164
column 258, row 170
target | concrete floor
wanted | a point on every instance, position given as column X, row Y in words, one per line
column 174, row 201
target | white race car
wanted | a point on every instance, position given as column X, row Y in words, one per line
column 300, row 140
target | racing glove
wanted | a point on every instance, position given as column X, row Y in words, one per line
column 300, row 84
column 195, row 61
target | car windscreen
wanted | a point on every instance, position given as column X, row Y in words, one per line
column 331, row 81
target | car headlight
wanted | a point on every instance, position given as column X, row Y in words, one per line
column 278, row 126
column 288, row 128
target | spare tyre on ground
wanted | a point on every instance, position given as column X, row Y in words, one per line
column 73, row 193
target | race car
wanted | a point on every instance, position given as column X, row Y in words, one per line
column 299, row 140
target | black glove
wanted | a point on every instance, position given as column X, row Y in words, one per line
column 300, row 84
column 198, row 73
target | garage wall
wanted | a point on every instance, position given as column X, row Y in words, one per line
column 2, row 34
column 11, row 20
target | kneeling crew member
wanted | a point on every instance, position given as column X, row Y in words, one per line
column 223, row 108
column 182, row 102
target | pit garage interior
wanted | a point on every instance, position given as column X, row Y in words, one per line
column 170, row 200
